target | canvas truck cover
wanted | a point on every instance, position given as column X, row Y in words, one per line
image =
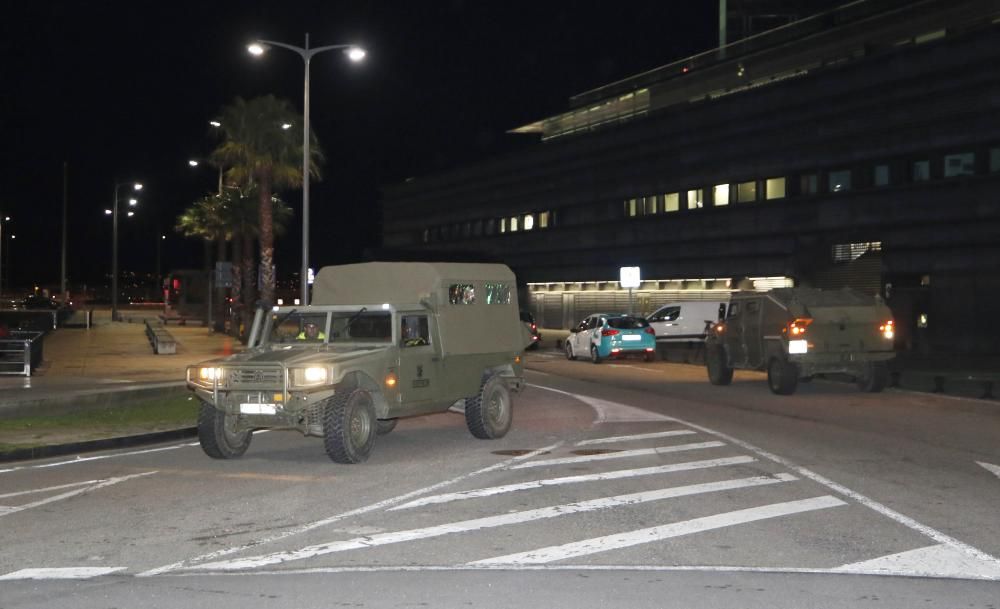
column 830, row 305
column 475, row 304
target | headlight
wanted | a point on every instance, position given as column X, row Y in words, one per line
column 209, row 374
column 310, row 377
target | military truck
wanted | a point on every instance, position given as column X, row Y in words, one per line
column 380, row 341
column 797, row 333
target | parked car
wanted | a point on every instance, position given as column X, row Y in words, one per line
column 604, row 335
column 532, row 335
column 37, row 301
column 686, row 321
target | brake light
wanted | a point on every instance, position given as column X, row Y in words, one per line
column 798, row 327
column 888, row 329
column 608, row 332
column 534, row 327
column 650, row 331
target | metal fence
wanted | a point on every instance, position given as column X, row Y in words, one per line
column 20, row 352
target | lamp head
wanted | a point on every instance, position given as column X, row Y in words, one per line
column 356, row 54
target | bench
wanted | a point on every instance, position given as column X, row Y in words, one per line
column 161, row 340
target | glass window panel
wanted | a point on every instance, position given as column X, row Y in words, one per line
column 775, row 188
column 461, row 294
column 671, row 202
column 529, row 221
column 497, row 293
column 491, row 226
column 696, row 198
column 962, row 164
column 512, row 224
column 994, row 160
column 720, row 195
column 503, row 225
column 650, row 207
column 921, row 171
column 543, row 219
column 809, row 184
column 881, row 175
column 427, row 235
column 839, row 180
column 746, row 192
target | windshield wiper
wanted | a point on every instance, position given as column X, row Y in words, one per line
column 354, row 318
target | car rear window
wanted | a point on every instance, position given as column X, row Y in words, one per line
column 627, row 323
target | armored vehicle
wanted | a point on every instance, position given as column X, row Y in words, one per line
column 380, row 341
column 797, row 333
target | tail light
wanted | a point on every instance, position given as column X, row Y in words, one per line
column 888, row 329
column 797, row 328
column 608, row 332
column 650, row 331
column 534, row 328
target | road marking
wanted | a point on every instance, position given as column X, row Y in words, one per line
column 868, row 502
column 625, row 454
column 355, row 512
column 61, row 573
column 612, row 412
column 615, row 475
column 98, row 458
column 990, row 467
column 666, row 531
column 48, row 489
column 644, row 436
column 98, row 484
column 932, row 561
column 491, row 522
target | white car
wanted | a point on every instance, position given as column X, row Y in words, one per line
column 686, row 321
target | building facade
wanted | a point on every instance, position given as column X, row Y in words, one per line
column 856, row 147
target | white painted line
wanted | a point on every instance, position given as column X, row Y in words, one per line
column 362, row 510
column 990, row 467
column 933, row 561
column 61, row 573
column 666, row 531
column 487, row 522
column 99, row 484
column 615, row 475
column 624, row 454
column 635, row 438
column 612, row 412
column 48, row 489
column 99, row 457
column 868, row 502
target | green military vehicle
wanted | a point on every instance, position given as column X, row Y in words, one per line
column 797, row 333
column 379, row 341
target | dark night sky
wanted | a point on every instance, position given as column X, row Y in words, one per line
column 124, row 90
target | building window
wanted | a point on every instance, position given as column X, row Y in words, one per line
column 427, row 235
column 880, row 176
column 845, row 252
column 775, row 188
column 650, row 205
column 839, row 180
column 696, row 198
column 529, row 221
column 671, row 202
column 467, row 230
column 961, row 164
column 497, row 293
column 543, row 219
column 512, row 224
column 746, row 192
column 994, row 160
column 720, row 195
column 921, row 171
column 631, row 208
column 461, row 294
column 809, row 184
column 477, row 228
column 491, row 226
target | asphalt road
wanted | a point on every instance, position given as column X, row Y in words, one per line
column 620, row 484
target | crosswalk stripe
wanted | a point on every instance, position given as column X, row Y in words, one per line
column 615, row 475
column 371, row 541
column 624, row 454
column 61, row 573
column 644, row 436
column 98, row 484
column 658, row 533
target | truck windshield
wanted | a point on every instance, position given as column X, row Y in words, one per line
column 311, row 327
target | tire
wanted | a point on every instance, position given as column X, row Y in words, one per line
column 874, row 377
column 782, row 376
column 719, row 373
column 569, row 351
column 489, row 413
column 384, row 426
column 349, row 426
column 595, row 357
column 216, row 440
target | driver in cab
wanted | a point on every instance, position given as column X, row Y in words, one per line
column 311, row 331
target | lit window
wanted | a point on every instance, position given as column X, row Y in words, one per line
column 921, row 171
column 631, row 208
column 671, row 202
column 775, row 188
column 650, row 205
column 963, row 164
column 461, row 294
column 497, row 293
column 543, row 219
column 720, row 195
column 839, row 180
column 503, row 225
column 512, row 224
column 881, row 175
column 529, row 221
column 696, row 199
column 746, row 192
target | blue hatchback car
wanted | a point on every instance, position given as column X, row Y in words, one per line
column 604, row 335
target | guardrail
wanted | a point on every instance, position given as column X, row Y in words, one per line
column 161, row 340
column 21, row 352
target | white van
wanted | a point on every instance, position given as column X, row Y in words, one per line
column 687, row 320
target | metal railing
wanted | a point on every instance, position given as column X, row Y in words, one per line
column 20, row 352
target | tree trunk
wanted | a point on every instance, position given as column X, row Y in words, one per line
column 266, row 238
column 235, row 316
column 249, row 286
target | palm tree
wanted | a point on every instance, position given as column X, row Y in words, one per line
column 263, row 152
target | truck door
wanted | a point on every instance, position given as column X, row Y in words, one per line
column 733, row 336
column 752, row 340
column 419, row 363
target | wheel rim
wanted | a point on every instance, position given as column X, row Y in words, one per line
column 229, row 433
column 359, row 427
column 496, row 408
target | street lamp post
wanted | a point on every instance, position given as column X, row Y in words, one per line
column 114, row 244
column 354, row 53
column 3, row 220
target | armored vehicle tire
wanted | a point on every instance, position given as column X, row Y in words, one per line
column 216, row 436
column 384, row 426
column 718, row 372
column 489, row 413
column 569, row 352
column 874, row 377
column 782, row 376
column 595, row 357
column 349, row 426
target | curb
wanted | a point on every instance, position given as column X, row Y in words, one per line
column 55, row 450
